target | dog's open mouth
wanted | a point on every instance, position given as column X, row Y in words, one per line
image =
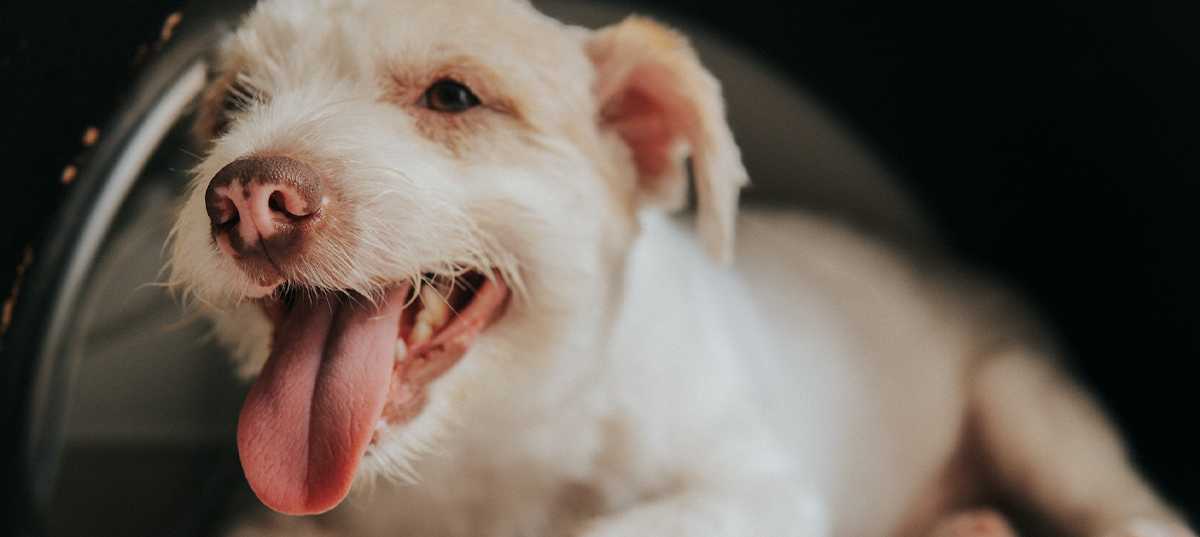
column 340, row 367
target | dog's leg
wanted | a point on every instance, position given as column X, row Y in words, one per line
column 1050, row 447
column 767, row 510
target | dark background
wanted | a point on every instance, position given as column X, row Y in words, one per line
column 1055, row 144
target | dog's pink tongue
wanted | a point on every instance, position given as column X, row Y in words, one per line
column 311, row 413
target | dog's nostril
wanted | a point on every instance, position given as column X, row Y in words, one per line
column 291, row 204
column 221, row 210
column 276, row 203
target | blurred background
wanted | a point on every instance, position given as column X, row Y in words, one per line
column 1055, row 145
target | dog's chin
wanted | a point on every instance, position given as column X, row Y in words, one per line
column 345, row 371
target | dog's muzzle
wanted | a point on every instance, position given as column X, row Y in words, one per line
column 343, row 366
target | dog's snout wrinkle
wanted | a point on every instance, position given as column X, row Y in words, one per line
column 262, row 210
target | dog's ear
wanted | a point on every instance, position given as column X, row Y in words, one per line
column 652, row 90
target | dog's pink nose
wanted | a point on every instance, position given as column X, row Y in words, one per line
column 261, row 208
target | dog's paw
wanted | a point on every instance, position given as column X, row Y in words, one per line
column 1143, row 527
column 976, row 523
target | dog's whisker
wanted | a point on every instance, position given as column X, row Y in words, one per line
column 398, row 173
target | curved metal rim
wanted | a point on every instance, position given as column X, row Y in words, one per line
column 53, row 377
column 31, row 413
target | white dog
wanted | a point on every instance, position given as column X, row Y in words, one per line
column 435, row 231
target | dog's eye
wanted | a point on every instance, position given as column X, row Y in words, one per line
column 448, row 96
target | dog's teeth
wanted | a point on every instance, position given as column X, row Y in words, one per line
column 421, row 331
column 434, row 309
column 433, row 314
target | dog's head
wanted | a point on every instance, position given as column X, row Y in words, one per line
column 398, row 193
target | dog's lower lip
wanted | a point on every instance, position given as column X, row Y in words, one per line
column 472, row 303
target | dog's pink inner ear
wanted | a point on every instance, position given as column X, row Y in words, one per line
column 650, row 126
column 652, row 91
column 644, row 99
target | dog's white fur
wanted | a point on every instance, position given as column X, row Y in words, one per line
column 826, row 385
